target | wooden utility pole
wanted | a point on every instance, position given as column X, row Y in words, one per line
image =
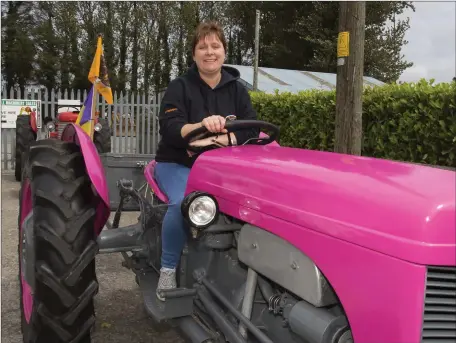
column 257, row 49
column 350, row 71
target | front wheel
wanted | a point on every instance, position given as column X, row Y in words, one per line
column 57, row 245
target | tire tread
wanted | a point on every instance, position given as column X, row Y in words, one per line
column 65, row 243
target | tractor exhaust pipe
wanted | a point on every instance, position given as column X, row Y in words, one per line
column 219, row 317
column 317, row 325
column 249, row 295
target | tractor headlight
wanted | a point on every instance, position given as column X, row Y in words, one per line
column 97, row 127
column 200, row 209
column 50, row 126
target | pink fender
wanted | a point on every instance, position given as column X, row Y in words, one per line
column 95, row 169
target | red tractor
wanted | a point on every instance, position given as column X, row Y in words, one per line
column 67, row 112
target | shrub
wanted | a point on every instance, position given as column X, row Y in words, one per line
column 413, row 122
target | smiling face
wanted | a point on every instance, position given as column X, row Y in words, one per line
column 209, row 54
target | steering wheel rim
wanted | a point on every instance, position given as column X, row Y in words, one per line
column 234, row 125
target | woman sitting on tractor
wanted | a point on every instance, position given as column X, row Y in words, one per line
column 204, row 96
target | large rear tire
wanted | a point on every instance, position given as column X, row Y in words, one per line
column 24, row 137
column 58, row 190
column 102, row 138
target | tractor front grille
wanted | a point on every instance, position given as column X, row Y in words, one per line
column 439, row 321
column 60, row 127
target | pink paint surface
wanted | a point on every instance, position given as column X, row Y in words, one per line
column 403, row 210
column 95, row 169
column 370, row 225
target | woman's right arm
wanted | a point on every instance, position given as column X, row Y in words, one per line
column 213, row 123
column 173, row 117
column 187, row 128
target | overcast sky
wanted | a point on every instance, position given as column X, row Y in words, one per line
column 431, row 39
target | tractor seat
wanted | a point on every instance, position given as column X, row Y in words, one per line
column 149, row 174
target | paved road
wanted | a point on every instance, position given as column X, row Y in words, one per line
column 119, row 310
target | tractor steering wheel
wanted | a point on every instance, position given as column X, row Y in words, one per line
column 231, row 126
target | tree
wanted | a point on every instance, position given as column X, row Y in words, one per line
column 18, row 49
column 146, row 43
column 306, row 40
column 48, row 57
column 108, row 20
column 68, row 29
column 385, row 39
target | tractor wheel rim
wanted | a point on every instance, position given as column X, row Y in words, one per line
column 26, row 207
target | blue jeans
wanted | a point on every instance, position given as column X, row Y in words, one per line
column 172, row 180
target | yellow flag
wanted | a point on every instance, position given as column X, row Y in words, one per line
column 98, row 73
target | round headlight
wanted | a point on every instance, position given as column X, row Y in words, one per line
column 50, row 126
column 97, row 127
column 202, row 211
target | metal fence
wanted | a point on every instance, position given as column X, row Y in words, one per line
column 133, row 118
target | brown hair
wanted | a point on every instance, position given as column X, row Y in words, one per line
column 205, row 29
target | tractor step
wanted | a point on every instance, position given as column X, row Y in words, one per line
column 178, row 302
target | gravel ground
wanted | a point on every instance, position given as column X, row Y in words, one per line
column 119, row 309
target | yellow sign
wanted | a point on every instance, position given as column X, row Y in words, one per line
column 343, row 44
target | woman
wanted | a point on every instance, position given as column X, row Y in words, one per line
column 204, row 96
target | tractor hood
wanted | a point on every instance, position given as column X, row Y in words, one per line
column 400, row 209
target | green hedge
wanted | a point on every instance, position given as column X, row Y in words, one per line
column 413, row 122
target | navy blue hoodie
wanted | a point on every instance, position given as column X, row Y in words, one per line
column 188, row 100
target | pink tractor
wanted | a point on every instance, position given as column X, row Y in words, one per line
column 301, row 246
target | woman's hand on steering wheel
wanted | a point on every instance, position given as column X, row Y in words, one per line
column 214, row 124
column 203, row 142
column 200, row 137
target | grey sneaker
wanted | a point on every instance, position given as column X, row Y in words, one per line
column 167, row 281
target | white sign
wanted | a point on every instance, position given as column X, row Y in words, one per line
column 11, row 108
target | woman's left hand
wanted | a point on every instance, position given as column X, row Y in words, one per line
column 203, row 142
